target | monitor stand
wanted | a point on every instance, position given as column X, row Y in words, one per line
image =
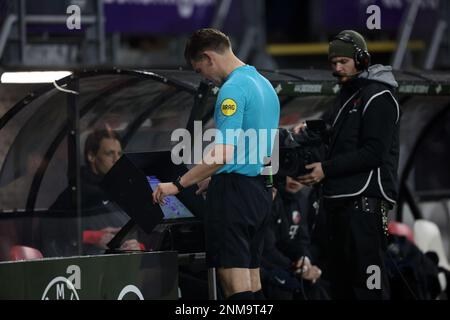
column 115, row 243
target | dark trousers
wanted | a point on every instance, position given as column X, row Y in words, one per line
column 356, row 248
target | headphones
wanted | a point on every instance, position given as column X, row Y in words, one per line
column 362, row 57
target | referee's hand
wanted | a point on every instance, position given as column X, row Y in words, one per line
column 164, row 189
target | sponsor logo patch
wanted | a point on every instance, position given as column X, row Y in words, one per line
column 228, row 107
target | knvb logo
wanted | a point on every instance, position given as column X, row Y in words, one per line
column 73, row 21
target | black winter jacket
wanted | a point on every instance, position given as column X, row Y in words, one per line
column 363, row 148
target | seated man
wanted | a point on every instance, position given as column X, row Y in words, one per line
column 287, row 258
column 101, row 220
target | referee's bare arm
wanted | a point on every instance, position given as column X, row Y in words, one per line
column 214, row 160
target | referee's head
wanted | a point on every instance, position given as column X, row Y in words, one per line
column 207, row 39
column 209, row 53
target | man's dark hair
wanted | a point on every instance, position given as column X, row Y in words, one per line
column 94, row 139
column 205, row 39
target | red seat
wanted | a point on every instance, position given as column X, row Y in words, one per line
column 401, row 229
column 24, row 253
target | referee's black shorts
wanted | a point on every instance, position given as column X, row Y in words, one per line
column 238, row 214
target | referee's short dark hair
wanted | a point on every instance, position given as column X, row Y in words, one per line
column 94, row 139
column 205, row 39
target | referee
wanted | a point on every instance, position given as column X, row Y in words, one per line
column 239, row 199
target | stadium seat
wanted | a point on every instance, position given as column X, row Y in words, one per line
column 428, row 238
column 24, row 253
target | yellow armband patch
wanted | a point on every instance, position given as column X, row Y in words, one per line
column 228, row 107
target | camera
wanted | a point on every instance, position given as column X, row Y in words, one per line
column 300, row 149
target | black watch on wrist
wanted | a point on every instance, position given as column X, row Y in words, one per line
column 178, row 184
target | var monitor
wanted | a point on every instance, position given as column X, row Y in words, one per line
column 132, row 180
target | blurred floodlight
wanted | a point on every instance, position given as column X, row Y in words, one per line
column 33, row 76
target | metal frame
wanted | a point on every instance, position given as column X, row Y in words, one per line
column 6, row 31
column 433, row 50
column 22, row 31
column 37, row 179
column 23, row 19
column 73, row 154
column 84, row 74
column 39, row 175
column 201, row 94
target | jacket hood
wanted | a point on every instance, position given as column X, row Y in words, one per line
column 380, row 73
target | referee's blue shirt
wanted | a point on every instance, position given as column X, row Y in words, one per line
column 246, row 101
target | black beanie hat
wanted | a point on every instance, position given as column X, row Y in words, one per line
column 340, row 48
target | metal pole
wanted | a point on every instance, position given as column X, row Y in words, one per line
column 5, row 31
column 405, row 33
column 413, row 205
column 57, row 19
column 115, row 47
column 73, row 152
column 100, row 32
column 444, row 203
column 22, row 31
column 446, row 10
column 435, row 44
column 221, row 14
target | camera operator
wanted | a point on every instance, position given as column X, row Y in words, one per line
column 359, row 173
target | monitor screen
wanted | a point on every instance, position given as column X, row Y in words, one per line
column 173, row 208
